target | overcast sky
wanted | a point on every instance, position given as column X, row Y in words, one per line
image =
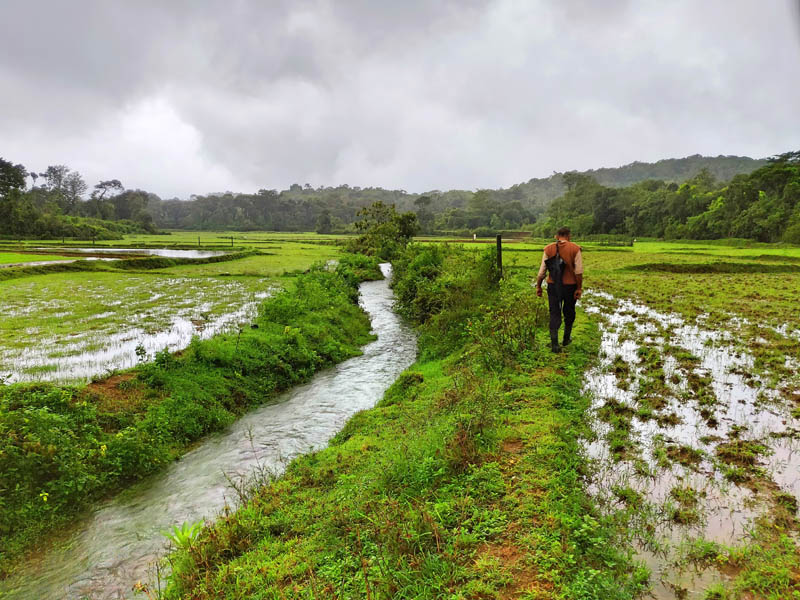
column 194, row 96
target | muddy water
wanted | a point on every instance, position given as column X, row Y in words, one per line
column 117, row 545
column 42, row 263
column 98, row 252
column 736, row 406
column 118, row 351
column 163, row 252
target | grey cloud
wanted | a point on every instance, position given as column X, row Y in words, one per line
column 417, row 95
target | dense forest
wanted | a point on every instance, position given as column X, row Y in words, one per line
column 763, row 205
column 304, row 208
column 57, row 206
column 695, row 197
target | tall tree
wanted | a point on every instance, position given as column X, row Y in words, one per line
column 12, row 177
column 74, row 187
column 107, row 187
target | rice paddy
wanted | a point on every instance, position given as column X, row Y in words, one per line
column 75, row 326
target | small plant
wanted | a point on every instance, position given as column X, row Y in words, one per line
column 141, row 353
column 182, row 536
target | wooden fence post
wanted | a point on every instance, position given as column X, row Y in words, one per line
column 500, row 255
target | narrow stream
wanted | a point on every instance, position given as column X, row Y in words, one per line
column 117, row 545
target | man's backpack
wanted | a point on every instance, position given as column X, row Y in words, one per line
column 555, row 267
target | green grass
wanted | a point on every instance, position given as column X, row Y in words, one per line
column 7, row 258
column 467, row 480
column 282, row 258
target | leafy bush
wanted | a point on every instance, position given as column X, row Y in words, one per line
column 443, row 288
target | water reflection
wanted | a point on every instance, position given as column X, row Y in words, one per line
column 707, row 397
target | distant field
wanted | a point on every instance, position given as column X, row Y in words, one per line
column 9, row 258
column 759, row 282
column 282, row 258
column 248, row 239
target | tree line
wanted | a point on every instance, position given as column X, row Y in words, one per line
column 672, row 198
column 55, row 205
column 763, row 205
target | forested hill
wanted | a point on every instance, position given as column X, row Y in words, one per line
column 538, row 193
column 305, row 207
column 676, row 170
column 763, row 205
column 56, row 205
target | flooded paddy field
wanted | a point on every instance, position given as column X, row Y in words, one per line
column 187, row 239
column 694, row 450
column 133, row 252
column 691, row 450
column 75, row 326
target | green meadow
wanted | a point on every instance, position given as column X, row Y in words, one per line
column 7, row 258
column 655, row 457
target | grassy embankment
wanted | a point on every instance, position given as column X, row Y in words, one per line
column 62, row 447
column 464, row 482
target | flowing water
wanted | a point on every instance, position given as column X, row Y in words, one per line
column 117, row 545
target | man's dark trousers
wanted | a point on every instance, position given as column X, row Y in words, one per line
column 561, row 302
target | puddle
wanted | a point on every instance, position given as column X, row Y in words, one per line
column 41, row 263
column 667, row 398
column 163, row 252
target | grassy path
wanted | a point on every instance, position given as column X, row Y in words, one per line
column 464, row 482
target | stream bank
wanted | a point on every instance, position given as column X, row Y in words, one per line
column 463, row 482
column 118, row 544
column 64, row 447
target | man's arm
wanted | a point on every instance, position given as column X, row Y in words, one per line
column 542, row 274
column 578, row 275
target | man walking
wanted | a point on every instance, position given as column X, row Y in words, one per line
column 562, row 298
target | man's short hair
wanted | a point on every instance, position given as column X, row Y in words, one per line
column 563, row 232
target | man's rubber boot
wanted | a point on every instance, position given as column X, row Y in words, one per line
column 567, row 335
column 554, row 347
